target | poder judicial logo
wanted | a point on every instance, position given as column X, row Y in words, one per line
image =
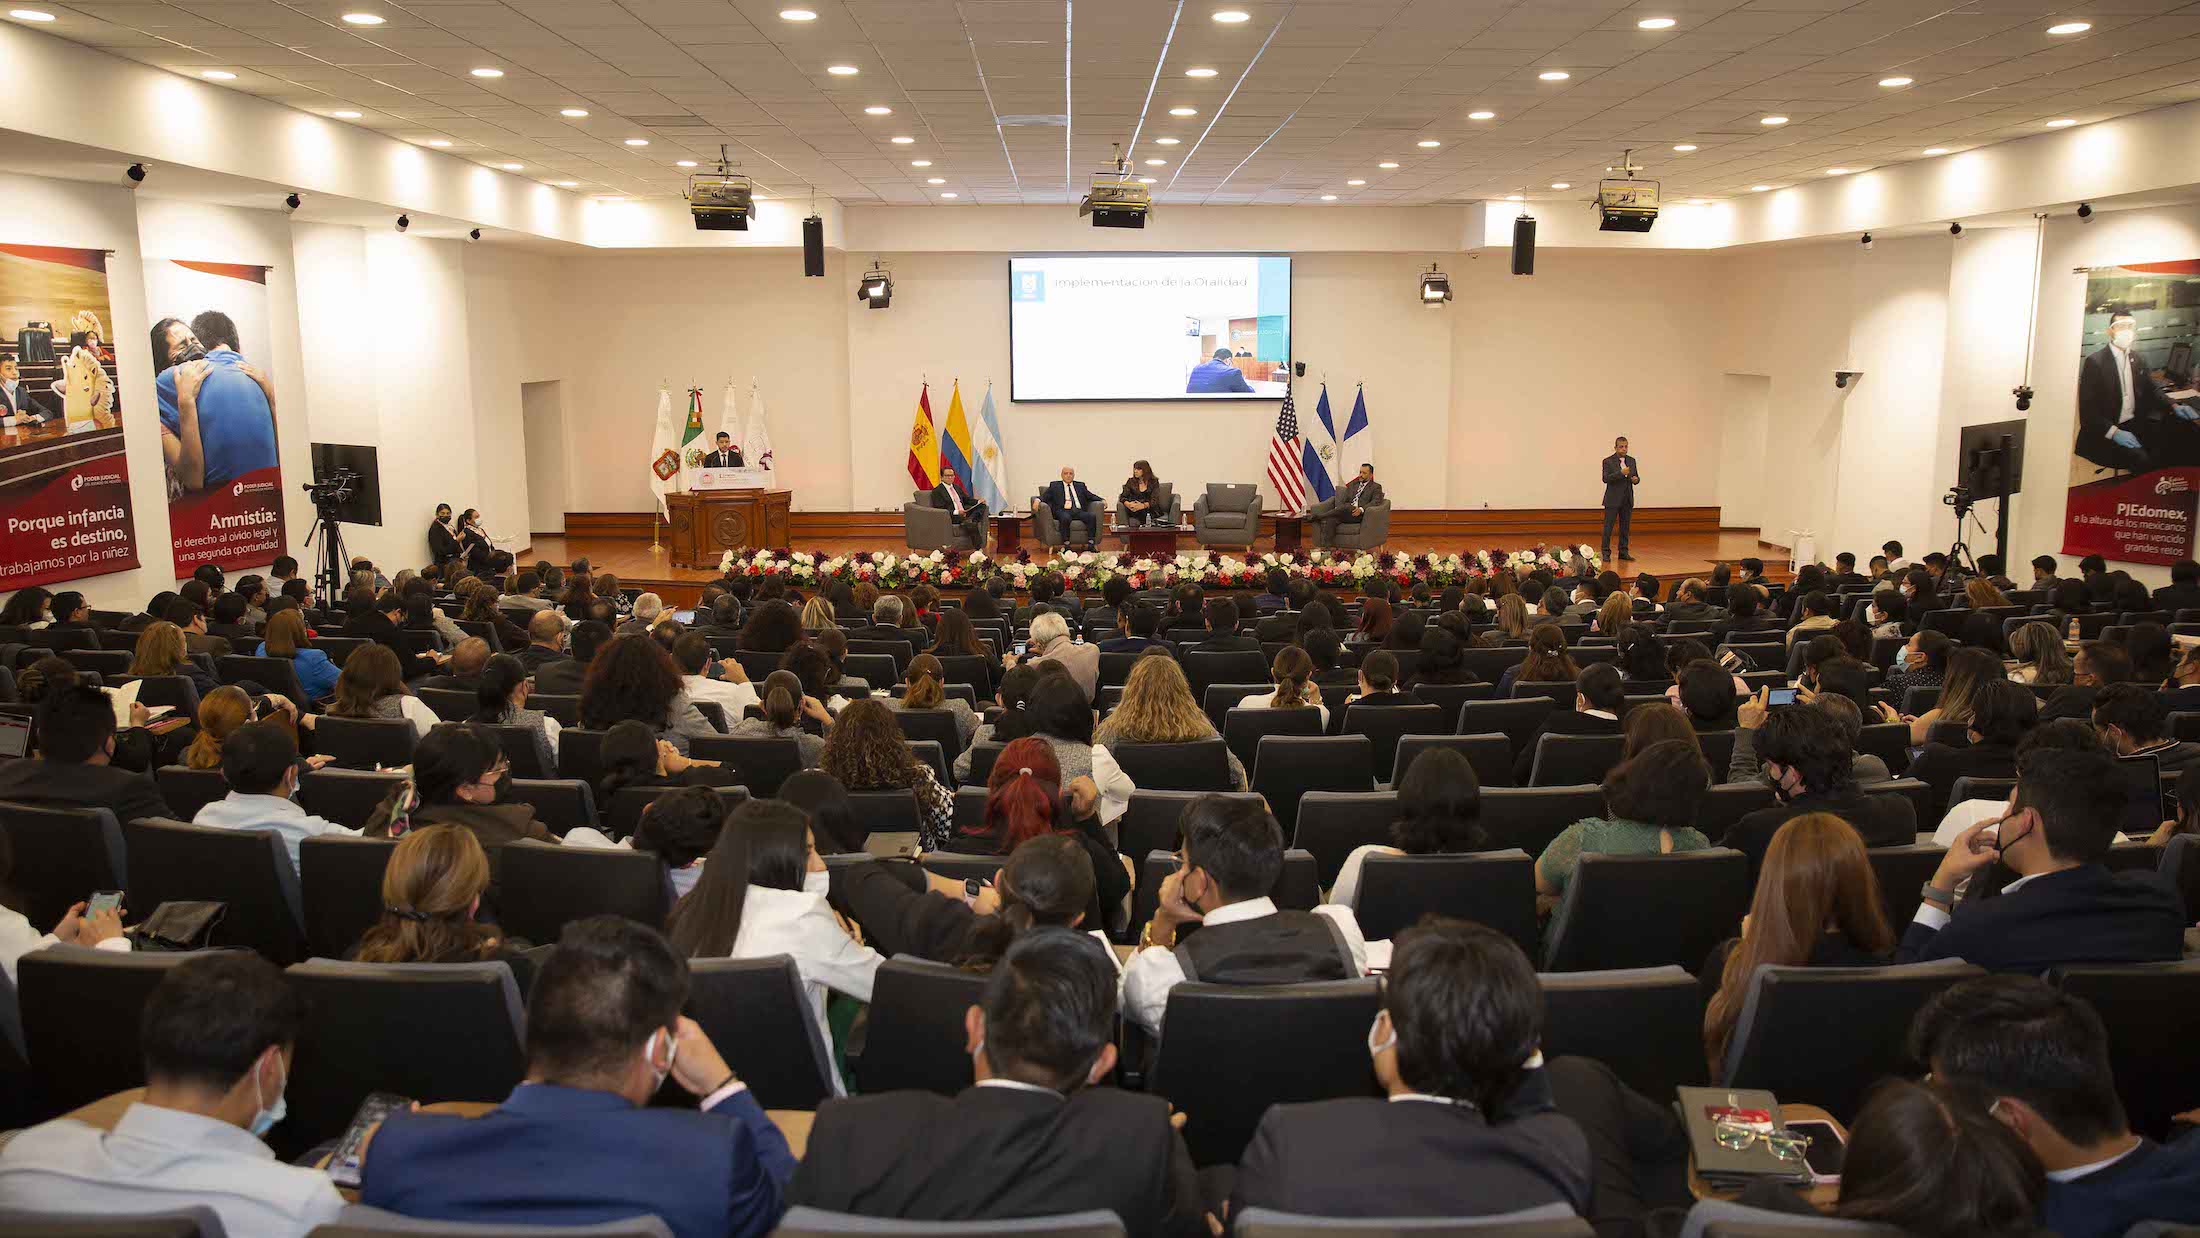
column 82, row 480
column 2170, row 484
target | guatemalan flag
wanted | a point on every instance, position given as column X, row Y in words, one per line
column 1318, row 455
column 1357, row 447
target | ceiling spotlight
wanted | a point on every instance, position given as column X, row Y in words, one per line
column 473, row 235
column 876, row 289
column 903, row 141
column 404, row 222
column 1201, row 72
column 573, row 112
column 1167, row 141
column 30, row 15
column 1837, row 171
column 1428, row 143
column 487, row 72
column 878, row 109
column 566, row 184
column 1435, row 287
column 842, row 70
column 2085, row 210
column 439, row 143
column 683, row 163
column 1156, row 163
column 1955, row 229
column 511, row 167
column 363, row 19
column 1699, row 202
column 1896, row 81
column 950, row 195
column 1183, row 111
column 136, row 173
column 637, row 141
column 1562, row 184
column 1481, row 116
column 2070, row 27
column 797, row 15
column 1773, row 120
column 920, row 163
column 346, row 114
column 218, row 75
column 1386, row 166
column 935, row 180
column 1936, row 150
column 1148, row 180
column 1759, row 188
column 1355, row 183
column 1554, row 75
column 293, row 202
column 1232, row 17
column 1655, row 23
column 2063, row 123
column 1329, row 197
column 1685, row 147
column 1867, row 240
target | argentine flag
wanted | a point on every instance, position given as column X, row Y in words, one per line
column 990, row 466
column 1319, row 455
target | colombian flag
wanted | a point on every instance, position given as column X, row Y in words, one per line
column 924, row 444
column 955, row 446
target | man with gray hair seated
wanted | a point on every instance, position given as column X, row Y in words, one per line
column 888, row 612
column 1051, row 642
column 648, row 608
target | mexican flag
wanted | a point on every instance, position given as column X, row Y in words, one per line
column 689, row 452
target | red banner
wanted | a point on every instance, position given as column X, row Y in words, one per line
column 237, row 525
column 2143, row 519
column 77, row 523
column 2135, row 442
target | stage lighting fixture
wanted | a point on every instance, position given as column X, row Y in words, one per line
column 1435, row 287
column 294, row 202
column 1116, row 200
column 720, row 201
column 877, row 287
column 404, row 222
column 136, row 173
column 1626, row 203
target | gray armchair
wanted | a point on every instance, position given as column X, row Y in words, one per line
column 1227, row 515
column 1051, row 534
column 1169, row 508
column 934, row 528
column 1367, row 531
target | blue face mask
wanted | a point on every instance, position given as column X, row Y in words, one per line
column 1902, row 658
column 265, row 1118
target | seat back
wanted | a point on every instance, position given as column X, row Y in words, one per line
column 345, row 796
column 983, row 753
column 763, row 762
column 365, row 743
column 759, row 1011
column 1722, row 1218
column 1890, row 742
column 1829, row 1033
column 1218, row 699
column 1516, row 719
column 175, row 691
column 1648, row 910
column 1561, row 693
column 1574, row 760
column 1645, row 1023
column 1902, row 872
column 1545, row 1221
column 1286, row 767
column 1728, row 802
column 559, row 803
column 61, row 856
column 1385, row 724
column 453, row 1031
column 1284, row 1044
column 1490, row 755
column 1200, row 765
column 580, row 754
column 449, row 704
column 341, row 880
column 1151, row 821
column 804, row 1221
column 1495, row 888
column 249, row 870
column 1115, row 668
column 2152, row 1012
column 936, row 725
column 80, row 1020
column 916, row 1037
column 196, row 1221
column 892, row 811
column 623, row 815
column 1530, row 817
column 188, row 790
column 566, row 709
column 273, row 674
column 542, row 887
column 1235, row 666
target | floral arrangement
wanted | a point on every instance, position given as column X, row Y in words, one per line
column 1091, row 569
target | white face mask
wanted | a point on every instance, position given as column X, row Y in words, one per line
column 266, row 1116
column 1376, row 1048
column 649, row 1055
column 817, row 883
column 2121, row 338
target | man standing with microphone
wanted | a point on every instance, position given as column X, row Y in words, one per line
column 1620, row 479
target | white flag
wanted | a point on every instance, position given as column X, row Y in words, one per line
column 729, row 420
column 986, row 458
column 759, row 441
column 664, row 454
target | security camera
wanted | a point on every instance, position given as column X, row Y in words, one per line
column 404, row 222
column 2085, row 210
column 2023, row 393
column 1955, row 229
column 1867, row 242
column 1842, row 378
column 473, row 236
column 136, row 173
column 294, row 202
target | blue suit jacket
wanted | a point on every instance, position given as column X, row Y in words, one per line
column 1212, row 376
column 1056, row 499
column 554, row 1155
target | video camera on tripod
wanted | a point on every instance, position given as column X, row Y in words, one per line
column 333, row 489
column 1960, row 498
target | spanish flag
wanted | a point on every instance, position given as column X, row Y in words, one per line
column 924, row 444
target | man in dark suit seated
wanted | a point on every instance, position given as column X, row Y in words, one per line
column 2037, row 1059
column 2133, row 722
column 1139, row 621
column 563, row 676
column 1691, row 605
column 1284, row 625
column 1466, row 1126
column 2098, row 665
column 1599, row 695
column 545, row 641
column 2124, row 420
column 1807, row 758
column 1351, row 501
column 2182, row 693
column 463, row 672
column 2183, row 590
column 1844, row 571
column 1034, row 1136
column 76, row 745
column 1069, row 499
column 1222, row 621
column 577, row 1143
column 2064, row 906
column 969, row 512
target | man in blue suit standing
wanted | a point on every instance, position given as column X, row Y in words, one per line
column 576, row 1143
column 1217, row 376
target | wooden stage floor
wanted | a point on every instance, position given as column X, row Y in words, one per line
column 1667, row 556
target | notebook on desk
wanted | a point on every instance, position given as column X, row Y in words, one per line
column 1702, row 1110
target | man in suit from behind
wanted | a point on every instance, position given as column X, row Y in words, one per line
column 1034, row 1136
column 2183, row 590
column 76, row 745
column 1621, row 476
column 1284, row 625
column 1351, row 500
column 2124, row 420
column 2065, row 906
column 2045, row 574
column 725, row 457
column 1069, row 500
column 577, row 1142
column 1222, row 621
column 1599, row 695
column 1217, row 377
column 564, row 676
column 191, row 618
column 1466, row 1126
column 1139, row 621
column 969, row 512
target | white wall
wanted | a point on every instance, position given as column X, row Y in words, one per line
column 549, row 470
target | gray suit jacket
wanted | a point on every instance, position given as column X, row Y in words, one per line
column 1618, row 490
column 1353, row 494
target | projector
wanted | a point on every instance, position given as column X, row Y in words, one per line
column 1116, row 202
column 720, row 202
column 1626, row 205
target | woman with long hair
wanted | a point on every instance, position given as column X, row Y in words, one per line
column 956, row 636
column 834, row 826
column 1642, row 656
column 633, row 677
column 221, row 712
column 817, row 615
column 1059, row 714
column 1615, row 616
column 773, row 627
column 1025, row 798
column 1653, row 723
column 1512, row 623
column 1443, row 655
column 1375, row 621
column 162, row 650
column 1407, row 630
column 1010, row 721
column 781, row 706
column 1817, row 905
column 501, row 700
column 2039, row 653
column 1546, row 662
column 1293, row 674
column 866, row 752
column 1982, row 593
column 481, row 607
column 1157, row 708
column 29, row 607
column 762, row 893
column 460, row 777
column 1140, row 499
column 1439, row 813
column 1933, row 1165
column 430, row 892
column 371, row 686
column 286, row 637
column 633, row 756
column 1969, row 670
column 925, row 687
column 1047, row 882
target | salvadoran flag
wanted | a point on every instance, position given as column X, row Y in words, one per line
column 1319, row 454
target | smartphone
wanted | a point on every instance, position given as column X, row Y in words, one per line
column 1826, row 1151
column 350, row 1155
column 1020, row 647
column 103, row 900
column 1776, row 697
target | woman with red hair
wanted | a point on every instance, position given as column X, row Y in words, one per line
column 1025, row 798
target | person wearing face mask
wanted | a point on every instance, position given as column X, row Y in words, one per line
column 1808, row 759
column 1034, row 1136
column 762, row 893
column 260, row 763
column 578, row 1142
column 217, row 1033
column 74, row 767
column 1921, row 663
column 1466, row 1126
column 460, row 777
column 2124, row 420
column 2064, row 906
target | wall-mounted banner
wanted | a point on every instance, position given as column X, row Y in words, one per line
column 2135, row 464
column 217, row 412
column 64, row 485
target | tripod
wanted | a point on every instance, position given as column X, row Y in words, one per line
column 331, row 566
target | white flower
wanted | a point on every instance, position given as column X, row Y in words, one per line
column 725, row 562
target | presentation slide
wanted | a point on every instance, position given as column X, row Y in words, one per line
column 1149, row 327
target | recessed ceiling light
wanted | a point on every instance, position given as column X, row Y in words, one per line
column 511, row 167
column 1837, row 171
column 1355, row 182
column 566, row 184
column 950, row 194
column 1759, row 188
column 1896, row 81
column 1936, row 150
column 346, row 114
column 1562, row 184
column 30, row 14
column 1157, row 163
column 1167, row 141
column 1481, row 116
column 1773, row 120
column 218, row 75
column 842, row 70
column 1554, row 75
column 1329, row 197
column 1428, row 143
column 878, row 109
column 485, row 71
column 1698, row 202
column 797, row 15
column 439, row 142
column 574, row 112
column 1201, row 72
column 2070, row 27
column 2063, row 123
column 683, row 163
column 920, row 163
column 637, row 141
column 1183, row 111
column 904, row 141
column 1386, row 166
column 1231, row 17
column 611, row 197
column 364, row 19
column 1685, row 147
column 1655, row 23
column 935, row 180
column 1148, row 180
column 1514, row 197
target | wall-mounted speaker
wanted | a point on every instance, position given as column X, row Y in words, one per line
column 813, row 247
column 1524, row 245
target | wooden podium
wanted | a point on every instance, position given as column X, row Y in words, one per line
column 708, row 523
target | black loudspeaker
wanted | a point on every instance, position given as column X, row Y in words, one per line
column 813, row 247
column 1524, row 245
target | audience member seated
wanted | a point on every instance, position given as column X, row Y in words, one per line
column 79, row 927
column 1966, row 668
column 2036, row 1059
column 866, row 752
column 2152, row 658
column 1466, row 1126
column 460, row 777
column 462, row 673
column 1650, row 803
column 647, row 609
column 1817, row 904
column 1011, row 721
column 956, row 636
column 545, row 642
column 1051, row 643
column 1439, row 813
column 780, row 713
column 2181, row 694
column 565, row 676
column 633, row 679
column 431, row 892
column 1921, row 663
column 260, row 763
column 1547, row 661
column 191, row 618
column 2064, row 906
column 1222, row 621
column 1048, row 880
column 1058, row 712
column 481, row 607
column 682, row 829
column 1599, row 696
column 286, row 638
column 2000, row 713
column 372, row 687
column 1691, row 605
column 1139, row 620
column 501, row 695
column 925, row 688
column 1026, row 797
column 708, row 677
column 631, row 755
column 1293, row 674
column 1034, row 1136
column 161, row 650
column 1811, row 763
column 75, row 725
column 1227, row 865
column 2098, row 665
column 578, row 1142
column 1157, row 708
column 2132, row 721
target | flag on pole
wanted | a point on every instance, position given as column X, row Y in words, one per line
column 1358, row 445
column 759, row 440
column 664, row 454
column 924, row 443
column 991, row 485
column 690, row 454
column 1286, row 475
column 729, row 417
column 1318, row 455
column 955, row 440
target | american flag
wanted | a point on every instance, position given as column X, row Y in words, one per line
column 1286, row 476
